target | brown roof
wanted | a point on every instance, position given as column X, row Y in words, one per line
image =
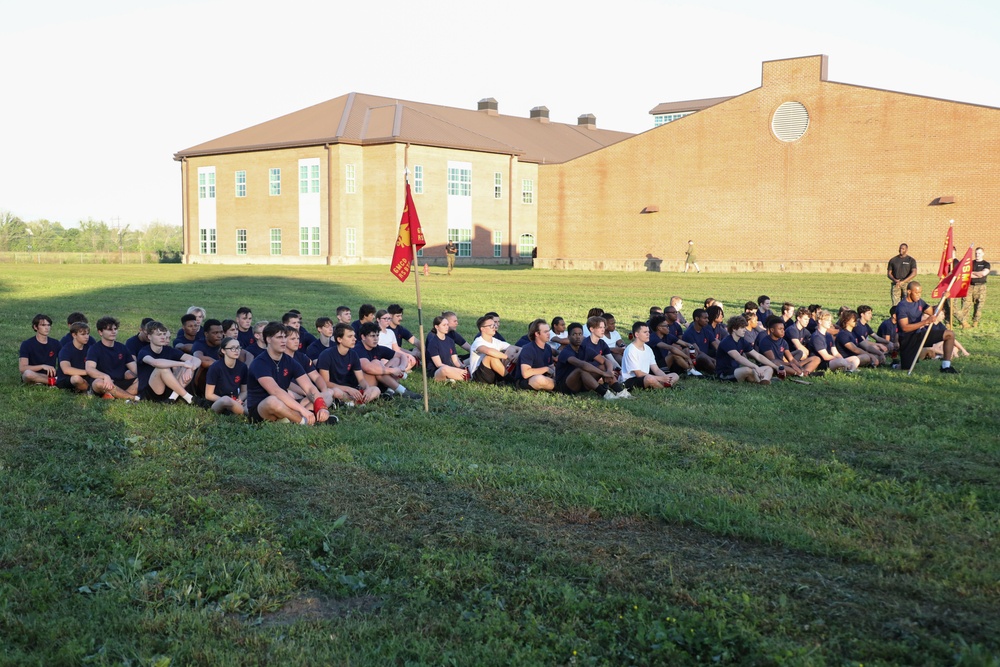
column 688, row 105
column 362, row 119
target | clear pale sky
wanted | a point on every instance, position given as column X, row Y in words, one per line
column 95, row 98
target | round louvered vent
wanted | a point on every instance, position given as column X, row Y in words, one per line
column 790, row 121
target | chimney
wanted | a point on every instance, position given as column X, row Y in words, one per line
column 490, row 106
column 587, row 120
column 541, row 114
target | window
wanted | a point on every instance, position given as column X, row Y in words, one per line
column 275, row 241
column 308, row 240
column 206, row 185
column 241, row 184
column 208, row 246
column 497, row 186
column 664, row 118
column 463, row 239
column 241, row 241
column 497, row 242
column 351, row 183
column 459, row 181
column 418, row 179
column 275, row 180
column 527, row 191
column 526, row 245
column 308, row 178
column 352, row 242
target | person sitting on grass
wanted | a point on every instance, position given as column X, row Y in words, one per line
column 196, row 331
column 701, row 336
column 387, row 338
column 764, row 308
column 269, row 377
column 72, row 319
column 377, row 364
column 110, row 365
column 226, row 381
column 574, row 374
column 863, row 332
column 39, row 355
column 72, row 373
column 732, row 364
column 670, row 353
column 613, row 339
column 755, row 327
column 888, row 333
column 207, row 351
column 444, row 366
column 366, row 313
column 403, row 335
column 774, row 347
column 293, row 319
column 462, row 346
column 597, row 352
column 165, row 372
column 487, row 358
column 293, row 345
column 639, row 368
column 557, row 334
column 824, row 347
column 187, row 335
column 140, row 339
column 244, row 321
column 324, row 338
column 787, row 314
column 536, row 364
column 847, row 341
column 797, row 335
column 340, row 368
column 913, row 315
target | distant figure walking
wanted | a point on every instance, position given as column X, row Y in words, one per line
column 450, row 251
column 690, row 259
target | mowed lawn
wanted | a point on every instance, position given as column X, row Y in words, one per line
column 853, row 521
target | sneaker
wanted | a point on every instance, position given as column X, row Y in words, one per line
column 695, row 374
column 389, row 394
column 202, row 403
column 895, row 367
column 107, row 396
column 624, row 394
column 951, row 369
column 332, row 421
column 413, row 395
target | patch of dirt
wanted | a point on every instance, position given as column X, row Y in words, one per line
column 317, row 607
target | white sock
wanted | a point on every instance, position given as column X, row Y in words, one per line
column 945, row 364
column 173, row 396
column 188, row 398
column 400, row 390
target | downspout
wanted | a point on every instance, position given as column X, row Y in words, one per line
column 329, row 205
column 185, row 213
column 510, row 212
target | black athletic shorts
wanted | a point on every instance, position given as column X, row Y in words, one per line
column 150, row 395
column 635, row 383
column 253, row 416
column 486, row 375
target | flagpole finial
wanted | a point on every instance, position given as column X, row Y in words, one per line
column 951, row 222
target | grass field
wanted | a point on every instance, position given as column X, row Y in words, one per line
column 854, row 521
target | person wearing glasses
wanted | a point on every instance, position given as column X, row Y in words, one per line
column 487, row 355
column 164, row 371
column 226, row 381
column 110, row 364
column 268, row 378
column 387, row 338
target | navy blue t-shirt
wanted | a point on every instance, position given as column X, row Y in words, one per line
column 112, row 361
column 377, row 353
column 227, row 381
column 305, row 339
column 725, row 364
column 592, row 350
column 563, row 367
column 822, row 341
column 777, row 347
column 658, row 352
column 255, row 350
column 179, row 338
column 246, row 338
column 442, row 348
column 145, row 370
column 793, row 332
column 134, row 344
column 317, row 348
column 76, row 358
column 456, row 338
column 534, row 357
column 912, row 312
column 341, row 367
column 41, row 353
column 307, row 364
column 843, row 338
column 403, row 334
column 207, row 351
column 887, row 330
column 283, row 372
column 862, row 332
column 703, row 339
column 674, row 333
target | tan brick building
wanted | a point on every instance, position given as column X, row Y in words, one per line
column 325, row 185
column 799, row 174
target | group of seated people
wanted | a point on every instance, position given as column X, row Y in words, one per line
column 277, row 371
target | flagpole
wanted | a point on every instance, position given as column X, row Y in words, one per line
column 927, row 329
column 416, row 282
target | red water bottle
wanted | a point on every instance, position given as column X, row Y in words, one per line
column 52, row 380
column 693, row 351
column 781, row 372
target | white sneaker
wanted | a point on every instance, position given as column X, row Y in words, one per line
column 624, row 394
column 611, row 396
column 693, row 373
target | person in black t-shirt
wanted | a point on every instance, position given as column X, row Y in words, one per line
column 39, row 355
column 976, row 298
column 902, row 269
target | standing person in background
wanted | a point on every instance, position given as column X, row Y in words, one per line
column 976, row 298
column 902, row 269
column 451, row 251
column 690, row 259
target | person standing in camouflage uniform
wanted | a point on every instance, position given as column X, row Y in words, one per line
column 976, row 298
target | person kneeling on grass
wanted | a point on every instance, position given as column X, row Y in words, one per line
column 824, row 347
column 165, row 372
column 39, row 354
column 444, row 363
column 731, row 363
column 535, row 365
column 913, row 315
column 340, row 368
column 110, row 364
column 226, row 380
column 270, row 375
column 639, row 369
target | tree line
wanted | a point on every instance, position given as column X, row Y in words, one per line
column 89, row 235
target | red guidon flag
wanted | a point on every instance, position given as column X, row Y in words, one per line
column 948, row 254
column 962, row 275
column 410, row 234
